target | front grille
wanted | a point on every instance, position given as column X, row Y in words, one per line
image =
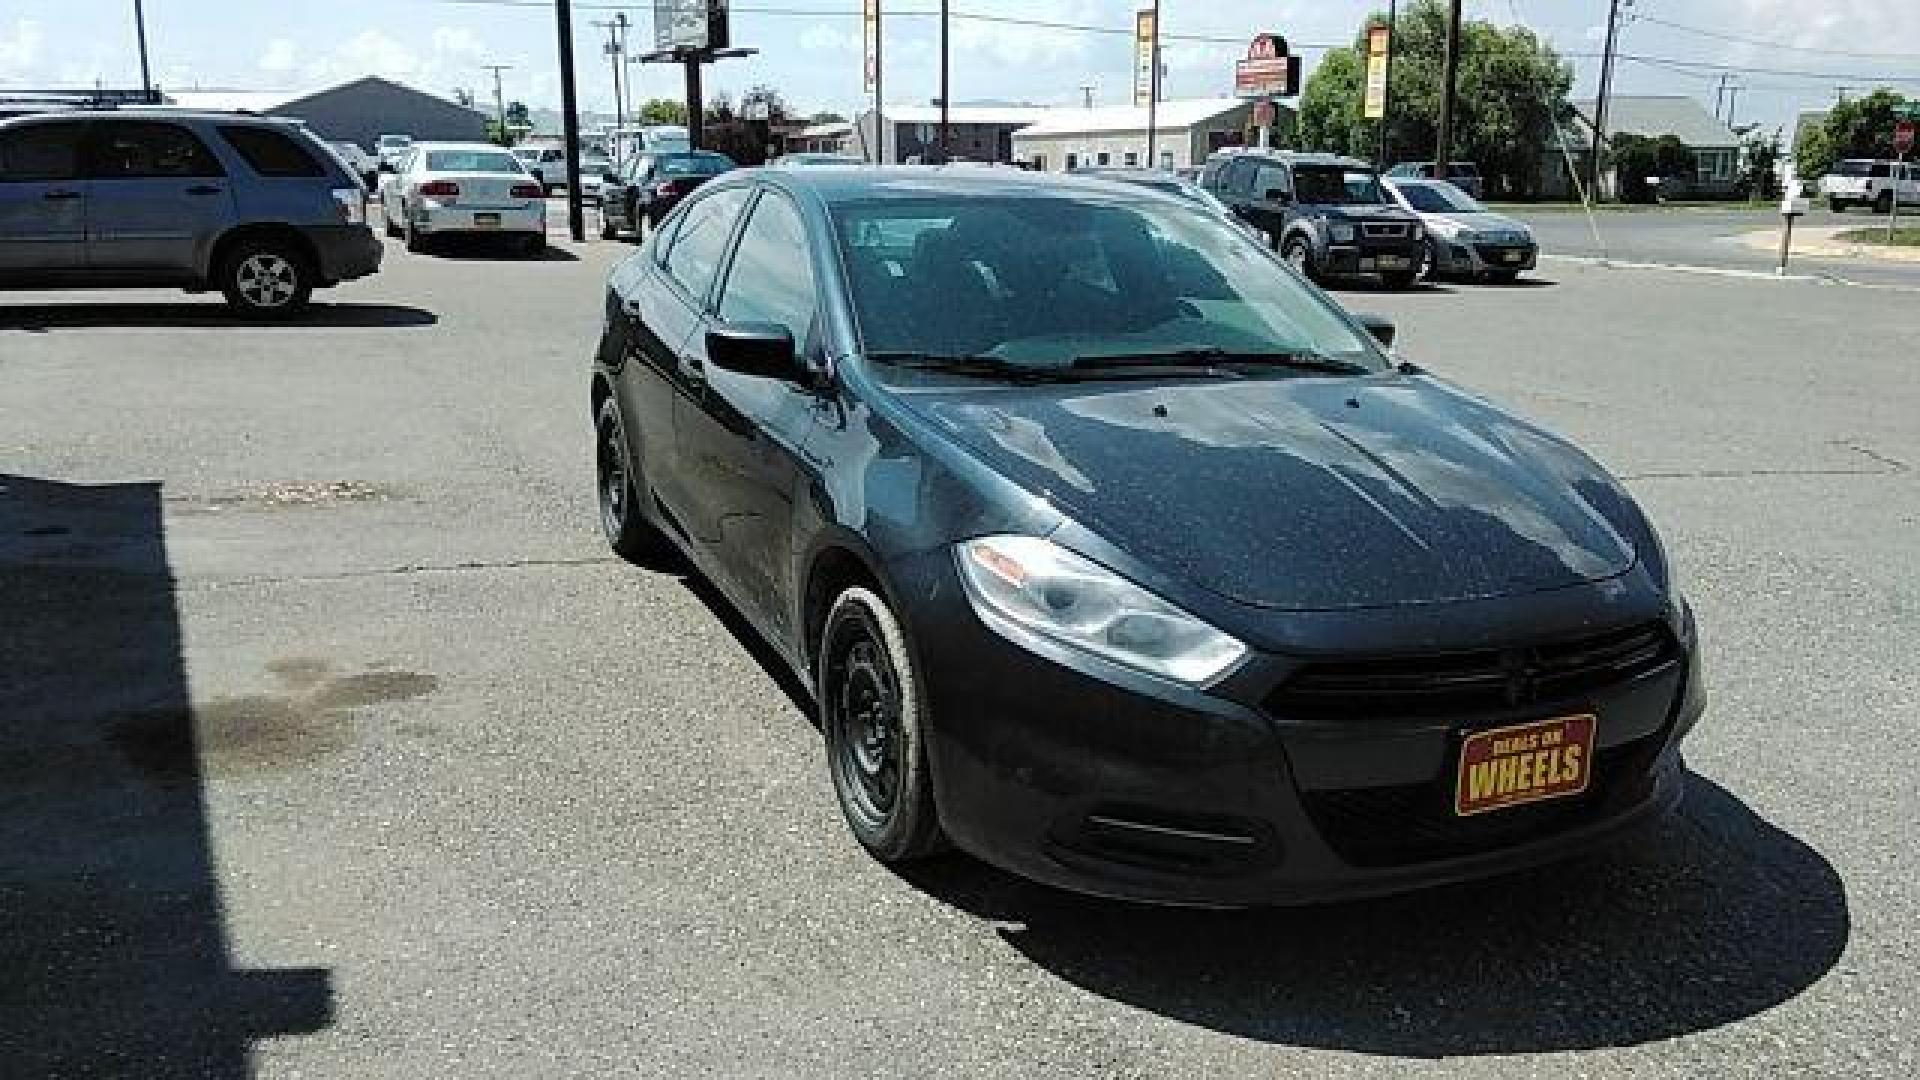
column 1474, row 682
column 1415, row 823
column 1383, row 230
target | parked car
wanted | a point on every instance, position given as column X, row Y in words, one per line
column 1169, row 184
column 464, row 188
column 359, row 162
column 251, row 206
column 1326, row 215
column 547, row 161
column 808, row 160
column 1464, row 238
column 640, row 195
column 1867, row 182
column 1464, row 175
column 389, row 149
column 593, row 172
column 1121, row 566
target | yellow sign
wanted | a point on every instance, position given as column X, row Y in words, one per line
column 1377, row 45
column 870, row 16
column 1144, row 35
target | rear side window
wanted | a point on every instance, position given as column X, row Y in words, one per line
column 146, row 149
column 40, row 152
column 702, row 240
column 271, row 153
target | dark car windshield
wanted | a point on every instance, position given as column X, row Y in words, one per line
column 472, row 161
column 1335, row 186
column 1863, row 167
column 1045, row 282
column 693, row 164
column 1439, row 199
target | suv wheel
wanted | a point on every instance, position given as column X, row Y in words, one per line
column 1299, row 255
column 266, row 279
column 1400, row 279
column 873, row 713
column 1838, row 206
column 1883, row 204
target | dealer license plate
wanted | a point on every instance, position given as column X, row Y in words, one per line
column 486, row 221
column 1525, row 763
column 1512, row 256
column 1390, row 262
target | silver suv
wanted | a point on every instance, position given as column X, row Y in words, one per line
column 254, row 207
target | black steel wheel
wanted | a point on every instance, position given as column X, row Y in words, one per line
column 1299, row 255
column 631, row 535
column 1883, row 204
column 872, row 713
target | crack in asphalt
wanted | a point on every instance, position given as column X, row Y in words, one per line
column 405, row 570
column 1890, row 466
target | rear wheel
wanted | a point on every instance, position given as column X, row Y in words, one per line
column 266, row 279
column 628, row 531
column 1837, row 206
column 1883, row 204
column 872, row 712
column 416, row 243
column 1299, row 255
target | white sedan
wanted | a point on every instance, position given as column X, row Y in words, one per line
column 475, row 188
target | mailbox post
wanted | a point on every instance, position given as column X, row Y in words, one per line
column 1792, row 205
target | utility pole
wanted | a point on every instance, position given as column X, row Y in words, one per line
column 616, row 50
column 570, row 119
column 1719, row 92
column 1086, row 96
column 1153, row 95
column 1733, row 96
column 1449, row 75
column 1600, row 102
column 1386, row 103
column 946, row 89
column 499, row 100
column 140, row 29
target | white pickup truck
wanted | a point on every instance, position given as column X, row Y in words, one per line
column 1867, row 182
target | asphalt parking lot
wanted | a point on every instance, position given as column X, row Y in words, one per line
column 334, row 742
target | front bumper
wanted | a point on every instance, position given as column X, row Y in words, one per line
column 525, row 217
column 1475, row 259
column 1120, row 785
column 345, row 252
column 1372, row 258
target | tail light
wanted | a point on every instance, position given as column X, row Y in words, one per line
column 444, row 190
column 666, row 188
column 529, row 191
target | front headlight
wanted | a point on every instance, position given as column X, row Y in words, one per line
column 1033, row 584
column 1341, row 232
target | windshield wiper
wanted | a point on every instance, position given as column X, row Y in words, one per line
column 1221, row 358
column 979, row 364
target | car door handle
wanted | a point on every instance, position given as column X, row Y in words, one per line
column 692, row 369
column 59, row 194
column 205, row 189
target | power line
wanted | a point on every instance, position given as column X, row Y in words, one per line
column 1781, row 45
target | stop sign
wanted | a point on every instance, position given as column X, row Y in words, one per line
column 1903, row 137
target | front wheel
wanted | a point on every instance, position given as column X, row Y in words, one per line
column 1299, row 255
column 266, row 279
column 1400, row 279
column 873, row 714
column 1836, row 206
column 1883, row 204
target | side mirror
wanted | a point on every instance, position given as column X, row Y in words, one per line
column 763, row 350
column 1379, row 326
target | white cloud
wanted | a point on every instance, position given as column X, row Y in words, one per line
column 281, row 56
column 20, row 49
column 821, row 37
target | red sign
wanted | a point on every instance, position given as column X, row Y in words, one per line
column 1267, row 71
column 1903, row 137
column 1525, row 763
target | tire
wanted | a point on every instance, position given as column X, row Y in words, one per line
column 1883, row 204
column 534, row 246
column 1401, row 279
column 1837, row 206
column 873, row 715
column 266, row 279
column 628, row 532
column 607, row 231
column 393, row 230
column 1432, row 268
column 1299, row 254
column 1500, row 275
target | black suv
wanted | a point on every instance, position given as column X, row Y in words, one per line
column 1326, row 215
column 254, row 207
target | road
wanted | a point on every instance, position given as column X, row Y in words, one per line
column 334, row 743
column 1712, row 238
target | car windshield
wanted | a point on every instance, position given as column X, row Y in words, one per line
column 1862, row 167
column 1046, row 282
column 694, row 164
column 1332, row 185
column 472, row 161
column 1439, row 199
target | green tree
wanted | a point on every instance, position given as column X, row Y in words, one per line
column 826, row 117
column 1760, row 165
column 1645, row 165
column 1511, row 90
column 663, row 111
column 1858, row 128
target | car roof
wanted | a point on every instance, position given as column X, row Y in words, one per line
column 902, row 182
column 1301, row 157
column 465, row 147
column 156, row 112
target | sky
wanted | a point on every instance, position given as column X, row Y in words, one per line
column 811, row 49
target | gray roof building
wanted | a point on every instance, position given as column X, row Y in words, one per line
column 359, row 111
column 1654, row 115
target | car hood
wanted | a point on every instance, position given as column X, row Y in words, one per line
column 1359, row 211
column 1306, row 493
column 1479, row 223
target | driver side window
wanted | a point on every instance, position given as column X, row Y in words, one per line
column 701, row 241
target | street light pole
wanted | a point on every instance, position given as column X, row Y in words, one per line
column 1600, row 102
column 1153, row 94
column 946, row 89
column 499, row 100
column 1450, row 71
column 1386, row 92
column 140, row 29
column 570, row 119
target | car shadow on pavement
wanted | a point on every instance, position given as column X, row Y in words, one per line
column 1422, row 287
column 112, row 937
column 492, row 249
column 41, row 318
column 749, row 639
column 1706, row 918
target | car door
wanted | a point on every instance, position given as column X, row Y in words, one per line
column 740, row 435
column 666, row 312
column 43, row 204
column 155, row 196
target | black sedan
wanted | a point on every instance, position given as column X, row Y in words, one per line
column 1117, row 555
column 647, row 189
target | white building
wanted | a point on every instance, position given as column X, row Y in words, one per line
column 1186, row 132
